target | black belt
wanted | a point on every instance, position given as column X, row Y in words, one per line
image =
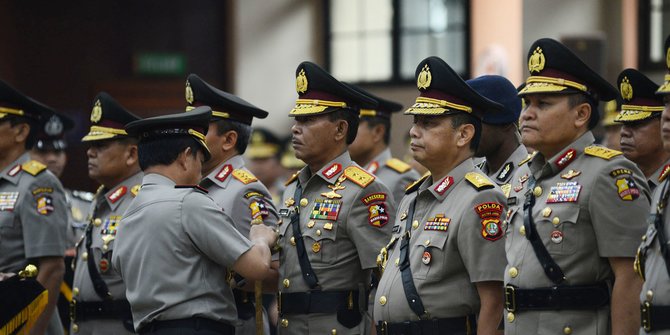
column 654, row 317
column 316, row 301
column 245, row 306
column 557, row 297
column 461, row 325
column 195, row 323
column 111, row 309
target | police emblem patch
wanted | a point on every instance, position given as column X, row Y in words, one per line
column 259, row 212
column 490, row 213
column 44, row 205
column 325, row 209
column 627, row 189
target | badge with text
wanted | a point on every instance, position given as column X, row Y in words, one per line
column 44, row 204
column 627, row 189
column 377, row 215
column 490, row 213
column 259, row 212
column 438, row 223
column 326, row 209
column 564, row 192
column 8, row 200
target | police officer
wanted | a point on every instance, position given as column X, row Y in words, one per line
column 335, row 215
column 641, row 119
column 653, row 260
column 371, row 149
column 447, row 236
column 263, row 156
column 176, row 245
column 33, row 213
column 574, row 209
column 99, row 303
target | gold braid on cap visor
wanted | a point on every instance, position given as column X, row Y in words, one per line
column 636, row 113
column 546, row 84
column 8, row 110
column 214, row 113
column 312, row 106
column 96, row 130
column 432, row 106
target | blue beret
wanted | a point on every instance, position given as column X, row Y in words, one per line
column 500, row 90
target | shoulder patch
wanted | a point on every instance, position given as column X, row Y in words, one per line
column 252, row 194
column 83, row 195
column 293, row 178
column 601, row 152
column 194, row 187
column 398, row 165
column 33, row 167
column 528, row 158
column 244, row 176
column 415, row 185
column 478, row 181
column 359, row 176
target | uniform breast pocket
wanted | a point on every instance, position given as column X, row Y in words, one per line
column 320, row 237
column 7, row 219
column 429, row 254
column 512, row 223
column 558, row 225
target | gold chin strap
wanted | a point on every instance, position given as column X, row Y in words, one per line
column 196, row 134
column 556, row 81
column 313, row 106
column 107, row 130
column 367, row 112
column 214, row 113
column 11, row 111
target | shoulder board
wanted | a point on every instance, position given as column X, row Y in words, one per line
column 244, row 176
column 359, row 176
column 528, row 158
column 479, row 181
column 83, row 195
column 414, row 185
column 398, row 165
column 601, row 152
column 33, row 167
column 293, row 178
column 195, row 187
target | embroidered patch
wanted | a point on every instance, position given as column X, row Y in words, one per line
column 565, row 159
column 444, row 185
column 252, row 194
column 325, row 209
column 372, row 168
column 571, row 174
column 14, row 171
column 374, row 197
column 42, row 190
column 377, row 216
column 117, row 194
column 505, row 172
column 618, row 172
column 224, row 172
column 44, row 205
column 439, row 223
column 332, row 170
column 627, row 189
column 8, row 200
column 490, row 213
column 564, row 192
column 259, row 212
column 110, row 225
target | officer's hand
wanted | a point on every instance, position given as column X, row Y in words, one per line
column 263, row 234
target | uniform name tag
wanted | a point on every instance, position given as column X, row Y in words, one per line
column 564, row 192
column 8, row 200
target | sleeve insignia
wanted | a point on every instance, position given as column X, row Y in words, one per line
column 528, row 158
column 258, row 212
column 244, row 176
column 627, row 189
column 359, row 176
column 195, row 187
column 478, row 181
column 135, row 189
column 44, row 204
column 490, row 213
column 619, row 172
column 415, row 185
column 252, row 194
column 40, row 190
column 293, row 178
column 377, row 215
column 33, row 167
column 601, row 152
column 398, row 165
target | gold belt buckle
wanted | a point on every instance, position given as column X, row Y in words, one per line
column 645, row 313
column 510, row 298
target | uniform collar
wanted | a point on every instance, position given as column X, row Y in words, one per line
column 329, row 172
column 656, row 177
column 115, row 195
column 157, row 179
column 12, row 172
column 441, row 188
column 505, row 172
column 223, row 173
column 379, row 161
column 541, row 167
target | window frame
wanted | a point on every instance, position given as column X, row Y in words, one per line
column 643, row 30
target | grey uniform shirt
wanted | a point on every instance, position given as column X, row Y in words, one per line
column 107, row 210
column 592, row 205
column 78, row 203
column 456, row 241
column 655, row 179
column 503, row 177
column 342, row 236
column 173, row 252
column 393, row 173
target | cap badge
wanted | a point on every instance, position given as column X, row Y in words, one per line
column 96, row 113
column 301, row 82
column 189, row 93
column 54, row 126
column 424, row 79
column 626, row 89
column 536, row 61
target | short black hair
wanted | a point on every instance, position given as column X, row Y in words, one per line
column 164, row 150
column 243, row 132
column 459, row 118
column 33, row 124
column 351, row 117
column 578, row 99
column 374, row 121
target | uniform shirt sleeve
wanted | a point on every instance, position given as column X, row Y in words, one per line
column 618, row 223
column 483, row 255
column 256, row 207
column 211, row 230
column 43, row 214
column 368, row 237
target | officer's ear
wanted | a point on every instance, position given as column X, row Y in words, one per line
column 582, row 114
column 465, row 134
column 378, row 133
column 182, row 158
column 341, row 129
column 131, row 155
column 21, row 132
column 228, row 140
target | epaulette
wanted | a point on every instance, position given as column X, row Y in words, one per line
column 244, row 176
column 478, row 181
column 359, row 176
column 135, row 189
column 601, row 152
column 293, row 178
column 398, row 165
column 195, row 187
column 414, row 185
column 83, row 195
column 528, row 158
column 33, row 167
column 664, row 173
